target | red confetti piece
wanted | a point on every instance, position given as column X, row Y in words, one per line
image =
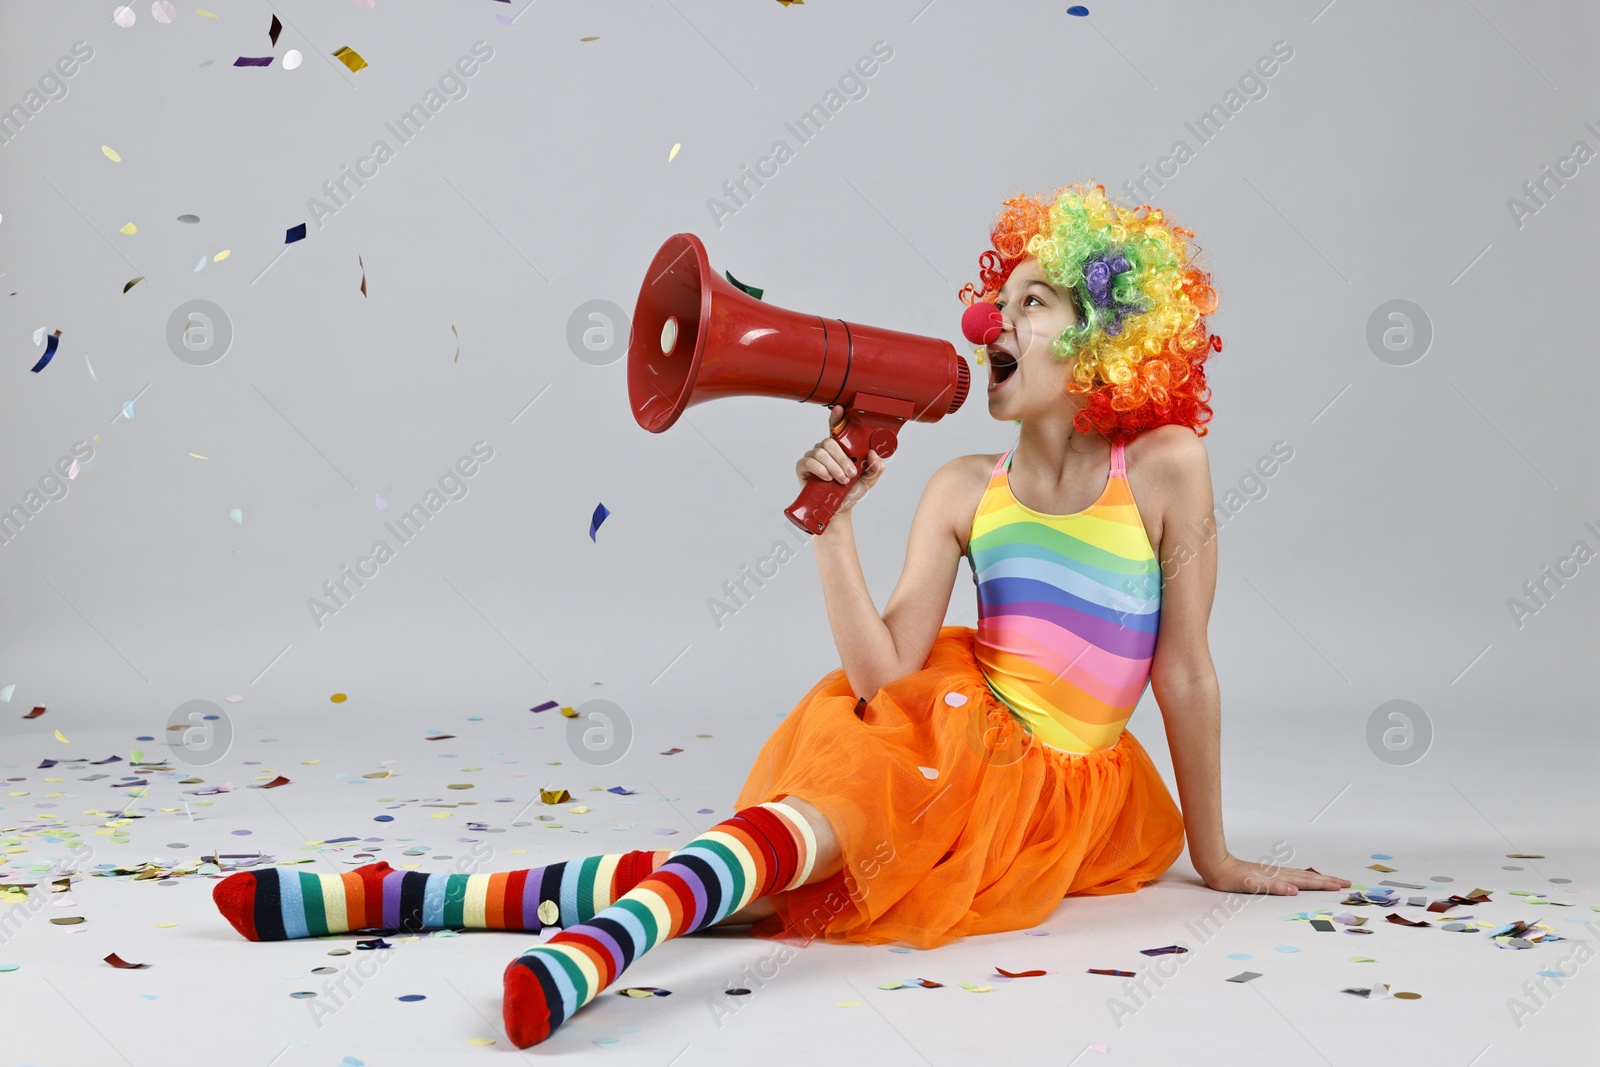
column 1018, row 974
column 1114, row 974
column 35, row 713
column 672, row 752
column 275, row 783
column 1401, row 920
column 122, row 964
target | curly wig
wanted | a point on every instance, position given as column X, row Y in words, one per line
column 1141, row 342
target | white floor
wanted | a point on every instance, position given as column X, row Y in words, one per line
column 209, row 996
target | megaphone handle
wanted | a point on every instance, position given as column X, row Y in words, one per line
column 860, row 432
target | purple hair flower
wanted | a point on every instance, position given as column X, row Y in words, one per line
column 1099, row 274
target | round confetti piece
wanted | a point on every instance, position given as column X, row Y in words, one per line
column 1561, row 881
column 608, row 1042
column 1381, row 856
column 292, row 59
column 236, row 699
column 741, row 992
column 191, row 219
column 1511, row 868
column 240, row 833
column 163, row 11
column 1407, row 996
column 847, row 1003
column 324, row 970
column 1285, row 948
column 218, row 258
column 165, row 926
column 383, row 818
column 124, row 17
column 411, row 998
column 955, row 700
column 338, row 952
column 891, row 985
column 338, row 698
column 549, row 912
column 1441, row 878
column 1078, row 10
column 303, row 994
column 9, row 966
column 480, row 1040
column 1240, row 956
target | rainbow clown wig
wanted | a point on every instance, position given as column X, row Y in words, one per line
column 1141, row 342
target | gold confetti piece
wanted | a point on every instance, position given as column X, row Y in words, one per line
column 62, row 738
column 222, row 255
column 480, row 1040
column 441, row 815
column 1407, row 996
column 203, row 13
column 554, row 796
column 569, row 713
column 197, row 455
column 1380, row 867
column 350, row 58
column 466, row 785
column 581, row 809
column 111, row 153
column 549, row 912
column 588, row 38
column 130, row 228
column 674, row 153
column 847, row 1003
column 338, row 698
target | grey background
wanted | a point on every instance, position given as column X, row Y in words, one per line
column 1376, row 566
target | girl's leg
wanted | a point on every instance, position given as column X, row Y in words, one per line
column 282, row 902
column 829, row 862
column 759, row 850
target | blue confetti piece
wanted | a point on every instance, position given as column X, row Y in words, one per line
column 474, row 718
column 127, row 409
column 49, row 352
column 601, row 512
column 294, row 233
column 1381, row 856
column 1554, row 974
column 622, row 792
column 411, row 998
column 383, row 818
column 1077, row 9
column 1285, row 948
column 1240, row 956
column 144, row 739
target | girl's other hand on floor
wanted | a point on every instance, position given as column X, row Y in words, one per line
column 1234, row 875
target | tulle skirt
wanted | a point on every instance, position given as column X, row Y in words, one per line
column 951, row 818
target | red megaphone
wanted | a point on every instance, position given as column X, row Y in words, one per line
column 696, row 338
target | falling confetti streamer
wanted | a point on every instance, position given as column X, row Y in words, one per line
column 601, row 513
column 49, row 350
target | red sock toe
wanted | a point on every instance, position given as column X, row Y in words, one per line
column 527, row 1015
column 235, row 897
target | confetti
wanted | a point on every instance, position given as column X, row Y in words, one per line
column 130, row 229
column 294, row 233
column 338, row 698
column 1113, row 973
column 408, row 998
column 253, row 61
column 62, row 738
column 601, row 513
column 1165, row 951
column 674, row 153
column 672, row 752
column 554, row 796
column 458, row 342
column 1019, row 974
column 380, row 503
column 123, row 17
column 68, row 920
column 275, row 783
column 480, row 1040
column 292, row 59
column 1244, row 976
column 109, row 152
column 200, row 266
column 5, row 694
column 640, row 991
column 273, row 30
column 163, row 11
column 197, row 455
column 34, row 714
column 50, row 345
column 237, row 515
column 546, row 706
column 350, row 58
column 929, row 772
column 133, row 283
column 1078, row 9
column 191, row 219
column 1380, row 867
column 748, row 290
column 549, row 912
column 363, row 269
column 620, row 791
column 116, row 960
column 955, row 700
column 203, row 13
column 569, row 713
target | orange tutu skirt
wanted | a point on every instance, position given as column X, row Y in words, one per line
column 951, row 818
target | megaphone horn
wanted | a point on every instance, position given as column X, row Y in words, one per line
column 696, row 338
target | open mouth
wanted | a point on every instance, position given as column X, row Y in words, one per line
column 1001, row 366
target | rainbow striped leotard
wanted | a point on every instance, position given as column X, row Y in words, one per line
column 1068, row 610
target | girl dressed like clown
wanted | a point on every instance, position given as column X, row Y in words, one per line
column 945, row 780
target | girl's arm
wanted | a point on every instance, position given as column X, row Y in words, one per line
column 1183, row 678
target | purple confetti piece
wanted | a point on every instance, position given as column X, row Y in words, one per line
column 253, row 61
column 665, row 831
column 294, row 233
column 546, row 706
column 705, row 811
column 601, row 512
column 505, row 20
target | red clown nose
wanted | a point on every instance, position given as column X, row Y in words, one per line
column 981, row 323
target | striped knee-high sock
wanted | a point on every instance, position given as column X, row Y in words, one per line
column 765, row 849
column 281, row 903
